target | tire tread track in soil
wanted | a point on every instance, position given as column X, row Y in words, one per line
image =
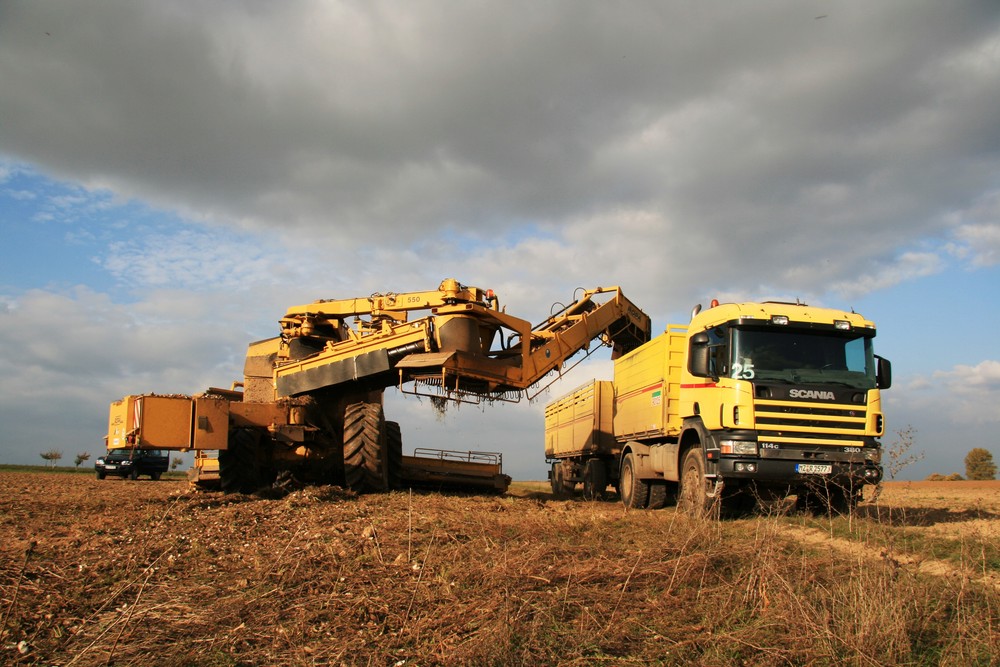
column 938, row 568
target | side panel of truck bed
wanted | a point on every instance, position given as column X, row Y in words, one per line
column 647, row 383
column 580, row 423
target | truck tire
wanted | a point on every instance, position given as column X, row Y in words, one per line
column 832, row 500
column 694, row 499
column 634, row 491
column 595, row 479
column 364, row 448
column 662, row 494
column 737, row 503
column 394, row 443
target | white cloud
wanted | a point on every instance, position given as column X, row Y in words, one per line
column 313, row 150
column 907, row 267
column 979, row 244
column 345, row 122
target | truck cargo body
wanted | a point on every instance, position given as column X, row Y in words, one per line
column 748, row 402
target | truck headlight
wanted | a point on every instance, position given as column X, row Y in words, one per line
column 744, row 447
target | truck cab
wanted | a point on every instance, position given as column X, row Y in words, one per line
column 747, row 402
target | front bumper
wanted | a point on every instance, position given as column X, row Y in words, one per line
column 787, row 472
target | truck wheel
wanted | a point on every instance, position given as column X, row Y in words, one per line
column 634, row 491
column 694, row 498
column 837, row 500
column 364, row 441
column 595, row 479
column 738, row 503
column 394, row 443
column 662, row 494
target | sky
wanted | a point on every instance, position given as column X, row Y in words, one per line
column 173, row 175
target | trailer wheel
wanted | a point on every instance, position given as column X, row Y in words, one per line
column 595, row 479
column 364, row 447
column 394, row 443
column 634, row 491
column 694, row 498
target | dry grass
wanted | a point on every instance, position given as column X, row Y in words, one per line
column 130, row 573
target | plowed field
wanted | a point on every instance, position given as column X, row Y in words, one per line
column 135, row 573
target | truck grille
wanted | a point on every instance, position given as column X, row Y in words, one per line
column 810, row 423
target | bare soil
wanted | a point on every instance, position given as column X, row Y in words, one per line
column 137, row 572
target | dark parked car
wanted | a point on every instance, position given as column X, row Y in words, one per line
column 131, row 463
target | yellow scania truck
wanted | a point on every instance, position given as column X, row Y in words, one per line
column 748, row 402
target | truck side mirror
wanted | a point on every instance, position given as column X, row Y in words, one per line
column 698, row 358
column 883, row 376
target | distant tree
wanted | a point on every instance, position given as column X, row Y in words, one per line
column 938, row 477
column 900, row 452
column 979, row 464
column 81, row 457
column 175, row 462
column 51, row 456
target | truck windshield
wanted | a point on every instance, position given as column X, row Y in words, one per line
column 803, row 357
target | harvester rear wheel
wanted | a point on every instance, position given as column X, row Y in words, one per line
column 365, row 447
column 394, row 443
column 240, row 464
column 634, row 491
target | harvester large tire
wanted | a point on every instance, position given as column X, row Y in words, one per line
column 394, row 444
column 240, row 464
column 365, row 452
column 634, row 491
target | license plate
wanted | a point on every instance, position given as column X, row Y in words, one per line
column 814, row 468
column 110, row 467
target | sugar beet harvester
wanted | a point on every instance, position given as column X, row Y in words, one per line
column 311, row 404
